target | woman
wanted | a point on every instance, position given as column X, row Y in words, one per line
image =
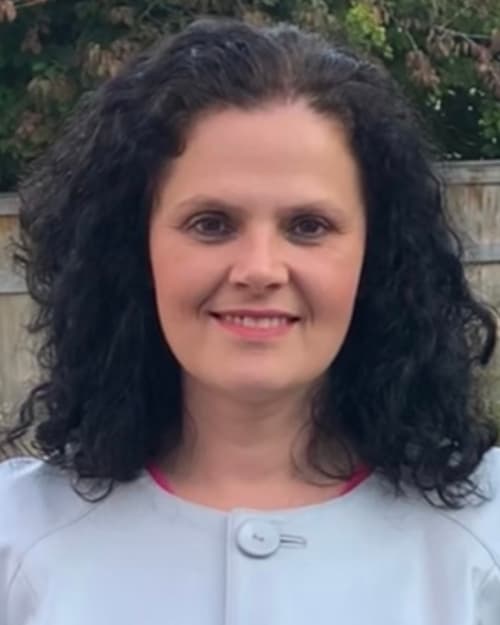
column 259, row 402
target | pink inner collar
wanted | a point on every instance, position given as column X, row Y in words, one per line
column 359, row 476
column 159, row 478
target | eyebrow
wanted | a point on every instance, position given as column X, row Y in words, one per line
column 205, row 202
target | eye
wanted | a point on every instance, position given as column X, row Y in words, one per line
column 211, row 226
column 310, row 227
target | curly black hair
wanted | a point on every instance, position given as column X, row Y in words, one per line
column 403, row 391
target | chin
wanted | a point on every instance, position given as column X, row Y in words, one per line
column 258, row 390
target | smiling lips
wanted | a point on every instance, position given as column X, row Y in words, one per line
column 256, row 324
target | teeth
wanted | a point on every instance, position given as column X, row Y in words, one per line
column 255, row 322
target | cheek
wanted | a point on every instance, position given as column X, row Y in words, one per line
column 333, row 286
column 181, row 280
column 168, row 284
column 174, row 294
column 336, row 303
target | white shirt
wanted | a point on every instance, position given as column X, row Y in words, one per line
column 143, row 556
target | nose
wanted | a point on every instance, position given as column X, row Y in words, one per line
column 260, row 263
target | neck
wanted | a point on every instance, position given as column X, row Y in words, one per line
column 247, row 454
column 230, row 441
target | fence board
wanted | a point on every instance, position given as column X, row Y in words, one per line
column 482, row 173
column 473, row 193
column 17, row 366
column 8, row 204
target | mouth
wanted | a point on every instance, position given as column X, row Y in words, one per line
column 256, row 324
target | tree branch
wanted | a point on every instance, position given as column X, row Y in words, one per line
column 24, row 4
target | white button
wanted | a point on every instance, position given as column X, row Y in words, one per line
column 258, row 538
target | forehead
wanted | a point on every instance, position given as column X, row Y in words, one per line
column 278, row 152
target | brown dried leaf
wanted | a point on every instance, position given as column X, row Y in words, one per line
column 421, row 69
column 7, row 11
column 109, row 65
column 316, row 17
column 479, row 52
column 386, row 16
column 124, row 49
column 485, row 55
column 441, row 45
column 121, row 15
column 28, row 124
column 39, row 89
column 495, row 41
column 105, row 63
column 63, row 89
column 483, row 69
column 56, row 89
column 491, row 78
column 255, row 17
column 31, row 42
column 381, row 14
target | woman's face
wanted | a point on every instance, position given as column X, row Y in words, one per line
column 256, row 242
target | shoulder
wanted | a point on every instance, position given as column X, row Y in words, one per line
column 36, row 500
column 36, row 497
column 482, row 523
column 472, row 530
column 481, row 520
column 28, row 477
column 463, row 544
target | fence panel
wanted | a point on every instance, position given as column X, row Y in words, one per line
column 473, row 193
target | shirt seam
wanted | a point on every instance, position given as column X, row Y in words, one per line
column 24, row 555
column 33, row 594
column 487, row 576
column 478, row 540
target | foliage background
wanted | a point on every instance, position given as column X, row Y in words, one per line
column 445, row 53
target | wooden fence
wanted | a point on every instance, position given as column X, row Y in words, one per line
column 473, row 194
column 17, row 368
column 473, row 191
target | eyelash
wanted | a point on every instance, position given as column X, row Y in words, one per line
column 319, row 221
